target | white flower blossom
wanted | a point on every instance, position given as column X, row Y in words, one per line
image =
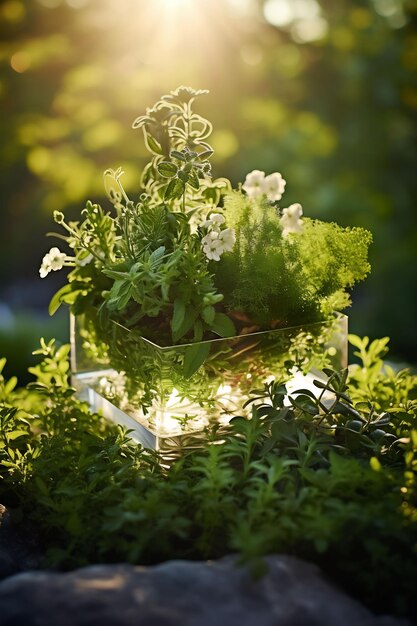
column 217, row 218
column 212, row 246
column 253, row 184
column 52, row 261
column 228, row 239
column 256, row 184
column 216, row 242
column 214, row 221
column 273, row 186
column 291, row 221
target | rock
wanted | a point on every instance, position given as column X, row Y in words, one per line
column 182, row 593
column 18, row 552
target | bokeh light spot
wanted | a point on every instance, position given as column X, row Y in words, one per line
column 360, row 18
column 101, row 135
column 304, row 31
column 278, row 12
column 77, row 4
column 225, row 144
column 251, row 54
column 20, row 62
column 38, row 160
column 13, row 11
column 50, row 4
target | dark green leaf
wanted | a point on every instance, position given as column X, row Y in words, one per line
column 167, row 169
column 178, row 315
column 187, row 323
column 198, row 330
column 223, row 325
column 193, row 180
column 175, row 154
column 306, row 404
column 194, row 357
column 206, row 154
column 174, row 190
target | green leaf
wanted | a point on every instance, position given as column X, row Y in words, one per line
column 183, row 176
column 375, row 464
column 206, row 154
column 15, row 434
column 56, row 299
column 157, row 256
column 175, row 154
column 141, row 120
column 188, row 321
column 167, row 169
column 193, row 180
column 208, row 314
column 152, row 144
column 175, row 189
column 305, row 403
column 223, row 325
column 194, row 357
column 178, row 315
column 198, row 330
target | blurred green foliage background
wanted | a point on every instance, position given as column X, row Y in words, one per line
column 323, row 91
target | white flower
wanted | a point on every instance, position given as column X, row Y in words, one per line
column 253, row 184
column 43, row 272
column 214, row 221
column 217, row 242
column 228, row 239
column 291, row 221
column 273, row 186
column 52, row 261
column 217, row 218
column 212, row 246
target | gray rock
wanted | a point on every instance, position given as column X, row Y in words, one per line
column 18, row 551
column 182, row 593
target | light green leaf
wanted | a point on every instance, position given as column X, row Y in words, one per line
column 152, row 144
column 57, row 299
column 208, row 314
column 358, row 342
column 15, row 434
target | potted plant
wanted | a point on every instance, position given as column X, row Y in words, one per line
column 188, row 296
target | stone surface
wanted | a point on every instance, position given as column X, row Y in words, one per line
column 181, row 593
column 17, row 552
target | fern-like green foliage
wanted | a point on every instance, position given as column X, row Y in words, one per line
column 281, row 281
column 335, row 484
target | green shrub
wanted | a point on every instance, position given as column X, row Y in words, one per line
column 332, row 484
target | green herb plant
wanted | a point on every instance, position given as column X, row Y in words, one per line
column 190, row 260
column 331, row 479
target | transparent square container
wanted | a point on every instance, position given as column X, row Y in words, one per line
column 163, row 396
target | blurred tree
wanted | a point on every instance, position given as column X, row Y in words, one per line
column 323, row 91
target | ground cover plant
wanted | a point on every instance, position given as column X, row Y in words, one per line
column 334, row 484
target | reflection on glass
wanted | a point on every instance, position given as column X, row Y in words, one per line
column 163, row 393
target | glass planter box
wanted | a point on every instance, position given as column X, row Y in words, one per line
column 166, row 398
